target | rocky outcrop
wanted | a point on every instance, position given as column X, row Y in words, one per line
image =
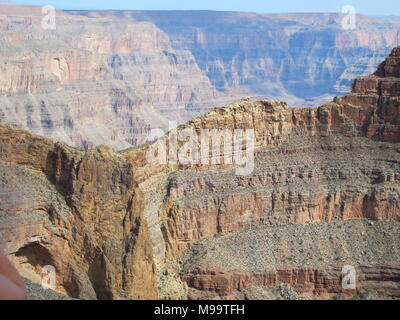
column 330, row 140
column 80, row 213
column 110, row 77
column 95, row 81
column 116, row 225
column 338, row 161
column 298, row 58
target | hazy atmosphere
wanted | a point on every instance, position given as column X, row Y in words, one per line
column 194, row 152
column 382, row 7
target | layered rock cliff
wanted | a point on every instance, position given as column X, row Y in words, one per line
column 312, row 166
column 110, row 77
column 95, row 81
column 299, row 58
column 117, row 226
column 79, row 212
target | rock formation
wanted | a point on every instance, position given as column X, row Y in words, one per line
column 95, row 81
column 110, row 77
column 299, row 58
column 79, row 212
column 336, row 162
column 324, row 193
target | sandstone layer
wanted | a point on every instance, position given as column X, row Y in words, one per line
column 336, row 162
column 303, row 59
column 118, row 227
column 110, row 77
column 95, row 81
column 79, row 212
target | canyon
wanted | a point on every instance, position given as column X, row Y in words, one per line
column 94, row 81
column 324, row 193
column 110, row 77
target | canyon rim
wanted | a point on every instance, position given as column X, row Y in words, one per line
column 313, row 108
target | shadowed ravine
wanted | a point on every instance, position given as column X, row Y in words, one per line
column 324, row 193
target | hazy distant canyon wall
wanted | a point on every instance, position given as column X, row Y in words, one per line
column 324, row 193
column 109, row 77
column 95, row 81
column 286, row 56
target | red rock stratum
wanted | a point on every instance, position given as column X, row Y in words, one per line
column 324, row 193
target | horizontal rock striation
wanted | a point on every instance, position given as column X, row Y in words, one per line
column 338, row 161
column 110, row 77
column 308, row 258
column 95, row 81
column 117, row 226
column 311, row 165
column 298, row 58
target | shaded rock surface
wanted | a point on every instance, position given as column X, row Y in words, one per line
column 95, row 81
column 303, row 59
column 110, row 77
column 79, row 212
column 115, row 226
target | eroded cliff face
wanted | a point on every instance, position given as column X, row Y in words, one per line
column 303, row 59
column 336, row 162
column 79, row 212
column 110, row 77
column 95, row 81
column 116, row 226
